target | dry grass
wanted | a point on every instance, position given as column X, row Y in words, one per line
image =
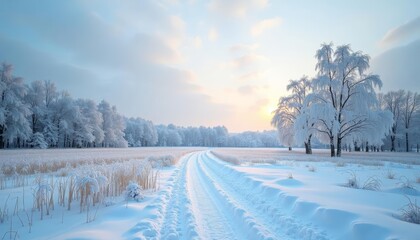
column 230, row 159
column 278, row 155
column 36, row 161
column 372, row 184
column 406, row 183
column 411, row 212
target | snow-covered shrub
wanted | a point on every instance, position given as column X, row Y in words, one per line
column 38, row 141
column 411, row 212
column 312, row 168
column 406, row 183
column 290, row 176
column 133, row 191
column 373, row 184
column 352, row 181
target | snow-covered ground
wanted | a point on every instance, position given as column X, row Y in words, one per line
column 269, row 194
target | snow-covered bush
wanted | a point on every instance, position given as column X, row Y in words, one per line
column 406, row 183
column 352, row 181
column 373, row 184
column 133, row 191
column 411, row 212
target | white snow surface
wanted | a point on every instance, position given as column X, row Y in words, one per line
column 203, row 197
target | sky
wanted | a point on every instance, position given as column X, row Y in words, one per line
column 193, row 63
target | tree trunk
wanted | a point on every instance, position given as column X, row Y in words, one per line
column 1, row 138
column 367, row 146
column 406, row 142
column 418, row 147
column 392, row 143
column 332, row 148
column 308, row 145
column 338, row 147
column 290, row 148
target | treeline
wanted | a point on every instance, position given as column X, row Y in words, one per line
column 39, row 116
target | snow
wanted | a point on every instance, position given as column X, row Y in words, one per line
column 271, row 194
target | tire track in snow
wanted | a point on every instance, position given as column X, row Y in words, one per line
column 179, row 222
column 211, row 215
column 263, row 213
column 170, row 214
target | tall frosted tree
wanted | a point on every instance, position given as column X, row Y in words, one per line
column 113, row 126
column 393, row 102
column 283, row 119
column 343, row 98
column 14, row 125
column 64, row 114
column 291, row 122
column 410, row 106
column 89, row 125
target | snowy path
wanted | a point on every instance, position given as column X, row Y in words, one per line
column 206, row 200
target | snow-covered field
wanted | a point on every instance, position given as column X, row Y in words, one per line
column 265, row 194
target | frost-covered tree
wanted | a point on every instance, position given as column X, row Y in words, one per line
column 64, row 114
column 113, row 126
column 35, row 100
column 88, row 129
column 140, row 132
column 284, row 119
column 14, row 126
column 393, row 102
column 343, row 98
column 289, row 110
column 411, row 105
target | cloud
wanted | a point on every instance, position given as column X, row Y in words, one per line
column 243, row 48
column 264, row 25
column 245, row 61
column 250, row 76
column 213, row 34
column 247, row 90
column 402, row 34
column 197, row 42
column 119, row 52
column 398, row 67
column 236, row 8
